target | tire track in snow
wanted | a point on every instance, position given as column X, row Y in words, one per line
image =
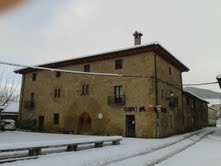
column 153, row 153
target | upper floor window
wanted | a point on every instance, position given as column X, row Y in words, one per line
column 169, row 70
column 85, row 89
column 57, row 93
column 119, row 64
column 34, row 75
column 118, row 91
column 58, row 74
column 87, row 68
column 118, row 94
column 56, row 118
column 33, row 97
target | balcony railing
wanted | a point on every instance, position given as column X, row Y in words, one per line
column 116, row 100
column 29, row 104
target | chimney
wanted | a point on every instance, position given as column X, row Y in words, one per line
column 137, row 38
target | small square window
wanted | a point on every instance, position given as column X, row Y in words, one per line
column 87, row 68
column 34, row 75
column 58, row 74
column 56, row 118
column 119, row 64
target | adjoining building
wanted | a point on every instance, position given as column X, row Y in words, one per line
column 149, row 78
column 195, row 111
column 214, row 113
column 10, row 111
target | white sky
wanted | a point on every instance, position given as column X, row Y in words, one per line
column 51, row 30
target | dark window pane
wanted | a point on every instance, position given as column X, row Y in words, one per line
column 58, row 74
column 118, row 91
column 86, row 68
column 34, row 75
column 56, row 118
column 119, row 64
column 32, row 97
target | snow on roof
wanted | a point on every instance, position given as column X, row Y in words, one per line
column 8, row 120
column 105, row 52
column 12, row 107
column 89, row 55
column 200, row 98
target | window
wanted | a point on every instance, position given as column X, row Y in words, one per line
column 87, row 68
column 119, row 64
column 32, row 103
column 85, row 89
column 118, row 93
column 58, row 74
column 169, row 70
column 33, row 97
column 57, row 93
column 34, row 75
column 56, row 118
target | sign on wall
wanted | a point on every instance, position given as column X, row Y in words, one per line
column 135, row 109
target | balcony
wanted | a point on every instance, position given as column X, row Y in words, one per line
column 29, row 105
column 116, row 100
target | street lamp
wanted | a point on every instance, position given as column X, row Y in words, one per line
column 219, row 80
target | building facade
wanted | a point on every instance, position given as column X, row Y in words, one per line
column 195, row 112
column 143, row 79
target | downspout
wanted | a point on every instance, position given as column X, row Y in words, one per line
column 156, row 96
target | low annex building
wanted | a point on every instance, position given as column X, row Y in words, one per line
column 148, row 78
column 195, row 111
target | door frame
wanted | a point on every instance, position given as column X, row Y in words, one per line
column 127, row 117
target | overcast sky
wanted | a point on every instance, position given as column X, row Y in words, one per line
column 51, row 30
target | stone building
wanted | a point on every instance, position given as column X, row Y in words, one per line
column 195, row 112
column 214, row 114
column 89, row 102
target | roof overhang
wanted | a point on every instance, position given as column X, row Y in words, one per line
column 157, row 48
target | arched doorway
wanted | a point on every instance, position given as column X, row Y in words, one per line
column 84, row 122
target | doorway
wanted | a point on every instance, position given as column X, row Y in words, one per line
column 41, row 123
column 130, row 126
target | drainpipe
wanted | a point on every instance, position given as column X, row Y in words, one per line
column 156, row 96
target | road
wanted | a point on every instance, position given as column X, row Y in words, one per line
column 206, row 152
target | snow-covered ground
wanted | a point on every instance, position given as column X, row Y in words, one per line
column 131, row 151
column 204, row 153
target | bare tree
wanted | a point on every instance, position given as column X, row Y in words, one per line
column 7, row 92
